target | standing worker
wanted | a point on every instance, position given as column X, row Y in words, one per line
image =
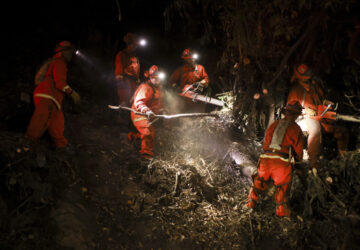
column 311, row 96
column 148, row 99
column 127, row 69
column 283, row 141
column 51, row 87
column 190, row 75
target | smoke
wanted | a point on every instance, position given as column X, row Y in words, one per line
column 95, row 69
column 173, row 103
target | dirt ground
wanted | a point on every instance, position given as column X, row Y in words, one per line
column 102, row 195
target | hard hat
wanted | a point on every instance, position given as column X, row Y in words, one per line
column 302, row 72
column 154, row 72
column 187, row 54
column 294, row 107
column 130, row 38
column 64, row 45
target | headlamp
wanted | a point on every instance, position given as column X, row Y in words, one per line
column 142, row 42
column 162, row 75
column 195, row 56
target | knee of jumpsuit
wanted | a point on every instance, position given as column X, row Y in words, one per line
column 40, row 119
column 252, row 198
column 56, row 129
column 342, row 136
column 260, row 183
column 314, row 144
column 281, row 194
column 281, row 175
column 282, row 184
column 147, row 139
column 339, row 132
column 283, row 210
column 147, row 145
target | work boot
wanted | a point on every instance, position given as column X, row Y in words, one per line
column 68, row 150
column 26, row 144
column 250, row 204
column 147, row 156
column 283, row 211
column 41, row 159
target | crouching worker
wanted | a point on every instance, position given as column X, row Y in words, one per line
column 147, row 100
column 283, row 141
column 49, row 93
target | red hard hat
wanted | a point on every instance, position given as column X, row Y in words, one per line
column 302, row 72
column 187, row 54
column 154, row 71
column 294, row 107
column 64, row 45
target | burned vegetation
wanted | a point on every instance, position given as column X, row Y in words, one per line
column 192, row 194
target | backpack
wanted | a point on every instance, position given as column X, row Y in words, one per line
column 40, row 75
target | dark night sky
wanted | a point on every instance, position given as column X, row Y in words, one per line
column 34, row 27
column 67, row 18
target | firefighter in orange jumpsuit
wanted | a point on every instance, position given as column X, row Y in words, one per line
column 189, row 74
column 283, row 141
column 48, row 97
column 148, row 99
column 127, row 69
column 310, row 95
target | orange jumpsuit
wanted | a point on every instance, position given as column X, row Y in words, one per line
column 48, row 97
column 276, row 163
column 147, row 97
column 187, row 75
column 126, row 65
column 310, row 97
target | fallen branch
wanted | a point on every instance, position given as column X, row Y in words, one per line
column 165, row 116
column 330, row 192
column 252, row 233
column 351, row 104
column 176, row 186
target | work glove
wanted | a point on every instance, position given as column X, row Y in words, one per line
column 310, row 112
column 75, row 96
column 199, row 88
column 327, row 102
column 150, row 114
